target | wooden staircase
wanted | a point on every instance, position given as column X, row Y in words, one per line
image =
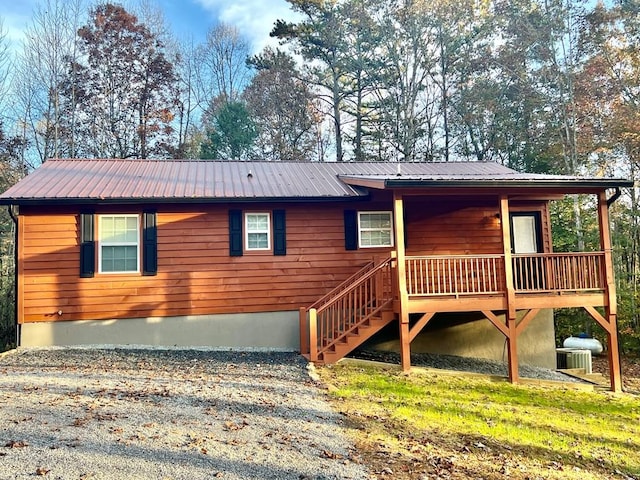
column 348, row 315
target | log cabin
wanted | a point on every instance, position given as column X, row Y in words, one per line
column 315, row 256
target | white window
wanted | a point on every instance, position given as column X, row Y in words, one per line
column 525, row 238
column 118, row 243
column 375, row 229
column 257, row 231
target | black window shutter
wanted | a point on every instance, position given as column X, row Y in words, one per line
column 149, row 243
column 350, row 230
column 235, row 233
column 279, row 233
column 87, row 246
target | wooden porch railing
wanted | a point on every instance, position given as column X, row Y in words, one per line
column 559, row 272
column 455, row 275
column 338, row 314
column 346, row 308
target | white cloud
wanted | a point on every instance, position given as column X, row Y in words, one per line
column 254, row 18
column 15, row 21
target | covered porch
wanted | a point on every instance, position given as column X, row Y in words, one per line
column 507, row 286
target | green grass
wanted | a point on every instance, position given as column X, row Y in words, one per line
column 488, row 426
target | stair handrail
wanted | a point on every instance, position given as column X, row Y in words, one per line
column 309, row 315
column 343, row 286
column 358, row 281
column 327, row 341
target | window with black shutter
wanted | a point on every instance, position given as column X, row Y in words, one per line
column 255, row 232
column 149, row 243
column 87, row 245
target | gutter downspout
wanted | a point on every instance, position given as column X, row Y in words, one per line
column 614, row 197
column 14, row 217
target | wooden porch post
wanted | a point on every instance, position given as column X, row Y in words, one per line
column 511, row 331
column 611, row 308
column 401, row 269
column 313, row 335
column 304, row 331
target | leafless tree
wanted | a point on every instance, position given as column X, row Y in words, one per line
column 221, row 70
column 49, row 48
column 5, row 67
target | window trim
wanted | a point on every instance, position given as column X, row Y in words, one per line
column 268, row 231
column 360, row 229
column 101, row 244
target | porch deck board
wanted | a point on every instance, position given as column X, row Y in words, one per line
column 470, row 303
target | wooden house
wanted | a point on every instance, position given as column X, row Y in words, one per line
column 282, row 255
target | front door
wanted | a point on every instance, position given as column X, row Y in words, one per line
column 526, row 240
column 525, row 228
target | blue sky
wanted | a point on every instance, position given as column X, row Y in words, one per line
column 186, row 18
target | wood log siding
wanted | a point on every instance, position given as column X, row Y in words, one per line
column 195, row 275
column 452, row 229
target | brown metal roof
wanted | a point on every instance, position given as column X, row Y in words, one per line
column 116, row 180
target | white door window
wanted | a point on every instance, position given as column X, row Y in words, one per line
column 525, row 234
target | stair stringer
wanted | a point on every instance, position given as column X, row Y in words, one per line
column 356, row 338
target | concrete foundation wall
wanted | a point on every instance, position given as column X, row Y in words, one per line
column 256, row 331
column 478, row 338
column 279, row 331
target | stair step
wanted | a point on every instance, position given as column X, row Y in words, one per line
column 352, row 340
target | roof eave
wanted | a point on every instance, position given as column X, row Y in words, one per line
column 566, row 186
column 174, row 201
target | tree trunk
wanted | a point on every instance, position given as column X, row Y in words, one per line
column 337, row 122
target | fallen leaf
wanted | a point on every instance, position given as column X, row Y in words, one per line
column 331, row 455
column 42, row 471
column 231, row 426
column 16, row 444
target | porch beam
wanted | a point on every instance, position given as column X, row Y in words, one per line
column 493, row 318
column 615, row 373
column 505, row 223
column 401, row 269
column 598, row 318
column 526, row 319
column 512, row 350
column 304, row 331
column 605, row 245
column 512, row 337
column 514, row 192
column 313, row 335
column 611, row 309
column 420, row 324
column 610, row 325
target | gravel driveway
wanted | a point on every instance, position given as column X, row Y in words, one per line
column 167, row 414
